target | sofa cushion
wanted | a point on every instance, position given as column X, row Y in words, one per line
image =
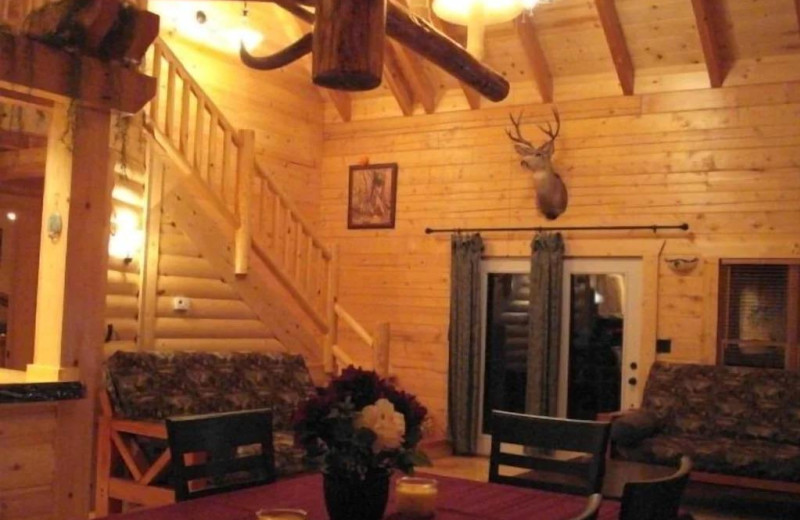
column 633, row 426
column 734, row 402
column 748, row 458
column 156, row 385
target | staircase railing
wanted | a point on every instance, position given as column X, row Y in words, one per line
column 184, row 119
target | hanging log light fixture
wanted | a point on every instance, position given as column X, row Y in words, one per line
column 347, row 46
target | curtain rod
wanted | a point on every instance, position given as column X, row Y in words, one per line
column 654, row 228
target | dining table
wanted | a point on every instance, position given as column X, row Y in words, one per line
column 458, row 499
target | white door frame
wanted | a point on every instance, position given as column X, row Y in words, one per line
column 520, row 265
column 631, row 269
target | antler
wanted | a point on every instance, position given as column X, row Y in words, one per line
column 518, row 138
column 549, row 131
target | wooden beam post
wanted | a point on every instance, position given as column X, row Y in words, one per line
column 536, row 58
column 797, row 10
column 244, row 187
column 397, row 82
column 348, row 43
column 709, row 27
column 612, row 28
column 332, row 295
column 380, row 349
column 148, row 278
column 71, row 293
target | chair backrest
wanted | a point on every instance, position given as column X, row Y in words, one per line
column 212, row 442
column 563, row 455
column 592, row 508
column 658, row 499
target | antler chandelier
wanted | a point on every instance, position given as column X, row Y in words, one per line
column 347, row 45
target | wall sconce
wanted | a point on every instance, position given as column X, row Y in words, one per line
column 681, row 265
column 126, row 237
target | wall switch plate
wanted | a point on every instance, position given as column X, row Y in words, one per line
column 663, row 346
column 181, row 304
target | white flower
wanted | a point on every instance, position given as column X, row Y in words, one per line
column 388, row 425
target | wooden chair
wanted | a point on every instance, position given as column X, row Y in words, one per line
column 658, row 499
column 592, row 508
column 562, row 455
column 211, row 441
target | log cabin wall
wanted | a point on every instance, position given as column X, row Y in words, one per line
column 726, row 161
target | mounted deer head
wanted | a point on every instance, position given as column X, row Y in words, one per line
column 551, row 193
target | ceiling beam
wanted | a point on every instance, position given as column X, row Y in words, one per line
column 294, row 29
column 609, row 19
column 797, row 10
column 710, row 26
column 50, row 78
column 536, row 58
column 396, row 82
column 472, row 96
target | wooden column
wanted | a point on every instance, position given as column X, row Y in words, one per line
column 148, row 278
column 244, row 176
column 332, row 295
column 72, row 288
column 348, row 43
column 380, row 349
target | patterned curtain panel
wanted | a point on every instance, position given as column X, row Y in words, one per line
column 547, row 266
column 465, row 347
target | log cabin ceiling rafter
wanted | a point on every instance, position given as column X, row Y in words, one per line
column 473, row 98
column 417, row 77
column 536, row 57
column 396, row 81
column 609, row 19
column 710, row 29
column 797, row 12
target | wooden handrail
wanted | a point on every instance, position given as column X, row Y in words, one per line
column 353, row 324
column 342, row 358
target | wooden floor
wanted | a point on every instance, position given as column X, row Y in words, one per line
column 704, row 501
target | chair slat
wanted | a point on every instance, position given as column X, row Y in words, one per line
column 216, row 437
column 536, row 437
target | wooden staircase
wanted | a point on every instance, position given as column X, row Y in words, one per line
column 244, row 223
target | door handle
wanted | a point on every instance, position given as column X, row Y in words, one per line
column 632, row 381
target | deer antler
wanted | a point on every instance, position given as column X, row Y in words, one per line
column 549, row 130
column 518, row 138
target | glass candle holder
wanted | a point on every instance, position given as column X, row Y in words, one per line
column 281, row 514
column 416, row 497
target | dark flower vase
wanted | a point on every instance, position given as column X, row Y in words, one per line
column 354, row 499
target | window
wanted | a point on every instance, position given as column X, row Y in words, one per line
column 759, row 306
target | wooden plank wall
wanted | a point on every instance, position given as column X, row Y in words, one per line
column 726, row 161
column 27, row 437
column 218, row 319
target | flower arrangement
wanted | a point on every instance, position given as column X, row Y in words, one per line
column 361, row 425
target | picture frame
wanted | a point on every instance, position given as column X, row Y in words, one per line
column 372, row 196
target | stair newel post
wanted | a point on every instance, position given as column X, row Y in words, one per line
column 332, row 337
column 244, row 180
column 380, row 349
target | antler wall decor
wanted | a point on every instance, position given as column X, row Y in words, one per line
column 347, row 45
column 551, row 193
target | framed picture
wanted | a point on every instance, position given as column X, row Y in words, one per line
column 372, row 196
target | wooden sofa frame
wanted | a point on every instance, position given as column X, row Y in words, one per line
column 720, row 479
column 116, row 445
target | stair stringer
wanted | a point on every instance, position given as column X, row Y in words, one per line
column 187, row 200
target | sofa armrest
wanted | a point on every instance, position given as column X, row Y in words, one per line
column 631, row 427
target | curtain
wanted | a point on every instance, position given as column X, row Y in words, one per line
column 465, row 348
column 547, row 265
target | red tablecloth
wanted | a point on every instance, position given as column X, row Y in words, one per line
column 458, row 500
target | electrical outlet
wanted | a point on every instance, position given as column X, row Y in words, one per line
column 181, row 304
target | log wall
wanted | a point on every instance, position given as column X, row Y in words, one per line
column 726, row 161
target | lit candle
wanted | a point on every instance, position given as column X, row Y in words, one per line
column 281, row 514
column 416, row 497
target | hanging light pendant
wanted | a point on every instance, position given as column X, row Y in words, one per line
column 477, row 14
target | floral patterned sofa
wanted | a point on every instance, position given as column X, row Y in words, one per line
column 740, row 426
column 143, row 388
